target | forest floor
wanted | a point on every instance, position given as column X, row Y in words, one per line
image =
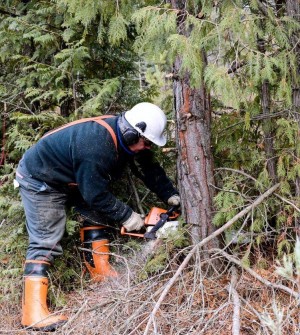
column 215, row 295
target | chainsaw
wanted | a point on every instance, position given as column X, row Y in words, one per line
column 157, row 223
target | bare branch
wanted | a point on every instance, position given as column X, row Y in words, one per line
column 256, row 181
column 185, row 262
column 137, row 198
column 257, row 276
column 236, row 324
column 235, row 66
column 4, row 12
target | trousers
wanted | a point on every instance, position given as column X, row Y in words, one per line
column 45, row 216
column 45, row 211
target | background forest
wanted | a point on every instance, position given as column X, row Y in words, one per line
column 227, row 75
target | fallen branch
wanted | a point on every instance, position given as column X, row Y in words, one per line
column 80, row 311
column 212, row 318
column 185, row 262
column 236, row 324
column 256, row 275
column 102, row 304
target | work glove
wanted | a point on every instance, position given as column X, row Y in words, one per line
column 174, row 200
column 134, row 222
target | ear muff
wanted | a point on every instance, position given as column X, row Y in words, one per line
column 130, row 135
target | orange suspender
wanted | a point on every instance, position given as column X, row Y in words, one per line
column 98, row 119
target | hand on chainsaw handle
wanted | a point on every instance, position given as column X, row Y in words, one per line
column 134, row 222
column 174, row 200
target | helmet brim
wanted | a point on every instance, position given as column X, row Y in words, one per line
column 160, row 141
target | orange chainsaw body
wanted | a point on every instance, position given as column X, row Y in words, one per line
column 151, row 219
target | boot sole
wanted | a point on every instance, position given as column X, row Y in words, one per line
column 49, row 328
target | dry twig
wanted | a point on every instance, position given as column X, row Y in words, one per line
column 257, row 202
column 137, row 198
column 256, row 275
column 256, row 181
column 236, row 324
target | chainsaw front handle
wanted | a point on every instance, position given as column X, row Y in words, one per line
column 124, row 232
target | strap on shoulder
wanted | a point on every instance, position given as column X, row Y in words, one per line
column 98, row 119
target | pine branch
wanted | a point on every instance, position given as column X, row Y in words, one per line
column 262, row 8
column 4, row 12
column 235, row 66
column 256, row 181
column 254, row 118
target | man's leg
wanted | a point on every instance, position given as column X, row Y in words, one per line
column 45, row 222
column 35, row 313
column 95, row 241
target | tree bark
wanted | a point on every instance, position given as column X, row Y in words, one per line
column 267, row 121
column 194, row 163
column 268, row 131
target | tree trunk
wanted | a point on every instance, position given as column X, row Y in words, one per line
column 267, row 122
column 268, row 132
column 194, row 162
column 296, row 102
column 293, row 10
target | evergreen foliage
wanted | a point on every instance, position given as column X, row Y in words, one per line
column 64, row 59
column 248, row 44
column 59, row 61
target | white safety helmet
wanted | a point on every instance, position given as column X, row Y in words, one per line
column 154, row 118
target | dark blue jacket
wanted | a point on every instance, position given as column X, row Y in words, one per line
column 85, row 154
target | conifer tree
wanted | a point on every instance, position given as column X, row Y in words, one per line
column 59, row 61
column 193, row 119
column 293, row 10
column 251, row 92
column 64, row 60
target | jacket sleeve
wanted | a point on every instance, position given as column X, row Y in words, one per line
column 153, row 175
column 92, row 171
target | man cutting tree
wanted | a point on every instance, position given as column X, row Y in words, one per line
column 75, row 164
